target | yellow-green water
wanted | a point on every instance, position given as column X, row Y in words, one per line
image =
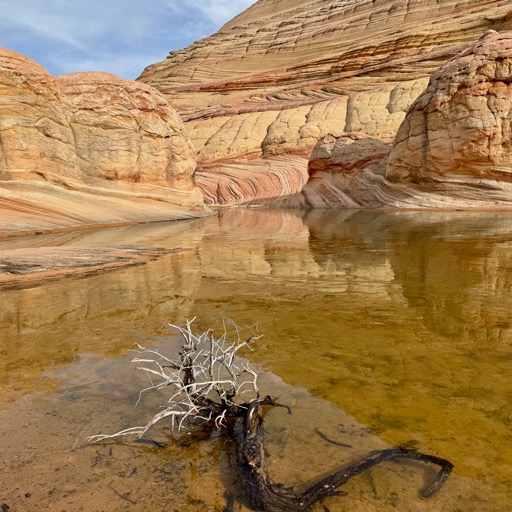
column 402, row 321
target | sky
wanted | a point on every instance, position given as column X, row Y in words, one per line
column 117, row 36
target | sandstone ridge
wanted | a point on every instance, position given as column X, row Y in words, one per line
column 281, row 75
column 88, row 148
column 453, row 149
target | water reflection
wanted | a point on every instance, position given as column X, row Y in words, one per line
column 400, row 319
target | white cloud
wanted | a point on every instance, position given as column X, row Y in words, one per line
column 39, row 23
column 77, row 23
column 120, row 36
column 219, row 12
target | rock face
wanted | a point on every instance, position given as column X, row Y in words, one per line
column 278, row 181
column 37, row 141
column 336, row 166
column 125, row 131
column 88, row 148
column 285, row 73
column 454, row 148
column 461, row 126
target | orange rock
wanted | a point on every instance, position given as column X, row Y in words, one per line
column 460, row 128
column 453, row 150
column 285, row 73
column 89, row 148
column 126, row 131
column 37, row 140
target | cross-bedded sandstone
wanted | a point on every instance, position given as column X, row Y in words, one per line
column 89, row 148
column 285, row 73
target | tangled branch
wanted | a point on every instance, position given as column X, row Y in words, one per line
column 206, row 380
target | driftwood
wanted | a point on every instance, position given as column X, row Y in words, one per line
column 207, row 382
column 263, row 494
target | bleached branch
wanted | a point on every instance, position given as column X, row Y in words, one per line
column 206, row 380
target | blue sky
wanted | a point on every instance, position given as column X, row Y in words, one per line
column 118, row 36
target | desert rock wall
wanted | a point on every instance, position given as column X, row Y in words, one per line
column 285, row 73
column 248, row 104
column 89, row 148
column 453, row 149
column 35, row 135
column 461, row 126
column 126, row 131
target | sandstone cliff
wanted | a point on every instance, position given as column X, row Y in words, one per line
column 460, row 127
column 88, row 148
column 285, row 73
column 452, row 150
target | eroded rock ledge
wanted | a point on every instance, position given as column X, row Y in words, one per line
column 89, row 148
column 27, row 266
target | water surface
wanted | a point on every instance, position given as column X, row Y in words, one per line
column 386, row 328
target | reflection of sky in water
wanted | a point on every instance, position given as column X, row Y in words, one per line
column 400, row 319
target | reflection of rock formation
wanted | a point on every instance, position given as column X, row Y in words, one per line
column 248, row 243
column 362, row 266
column 284, row 73
column 50, row 324
column 418, row 262
column 452, row 268
column 88, row 148
column 460, row 286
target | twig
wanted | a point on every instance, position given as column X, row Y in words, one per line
column 124, row 496
column 264, row 494
column 206, row 382
column 325, row 438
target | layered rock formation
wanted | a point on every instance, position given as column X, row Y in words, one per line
column 461, row 126
column 24, row 267
column 256, row 97
column 285, row 73
column 126, row 132
column 454, row 148
column 88, row 148
column 337, row 163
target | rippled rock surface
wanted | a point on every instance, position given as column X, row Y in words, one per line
column 284, row 73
